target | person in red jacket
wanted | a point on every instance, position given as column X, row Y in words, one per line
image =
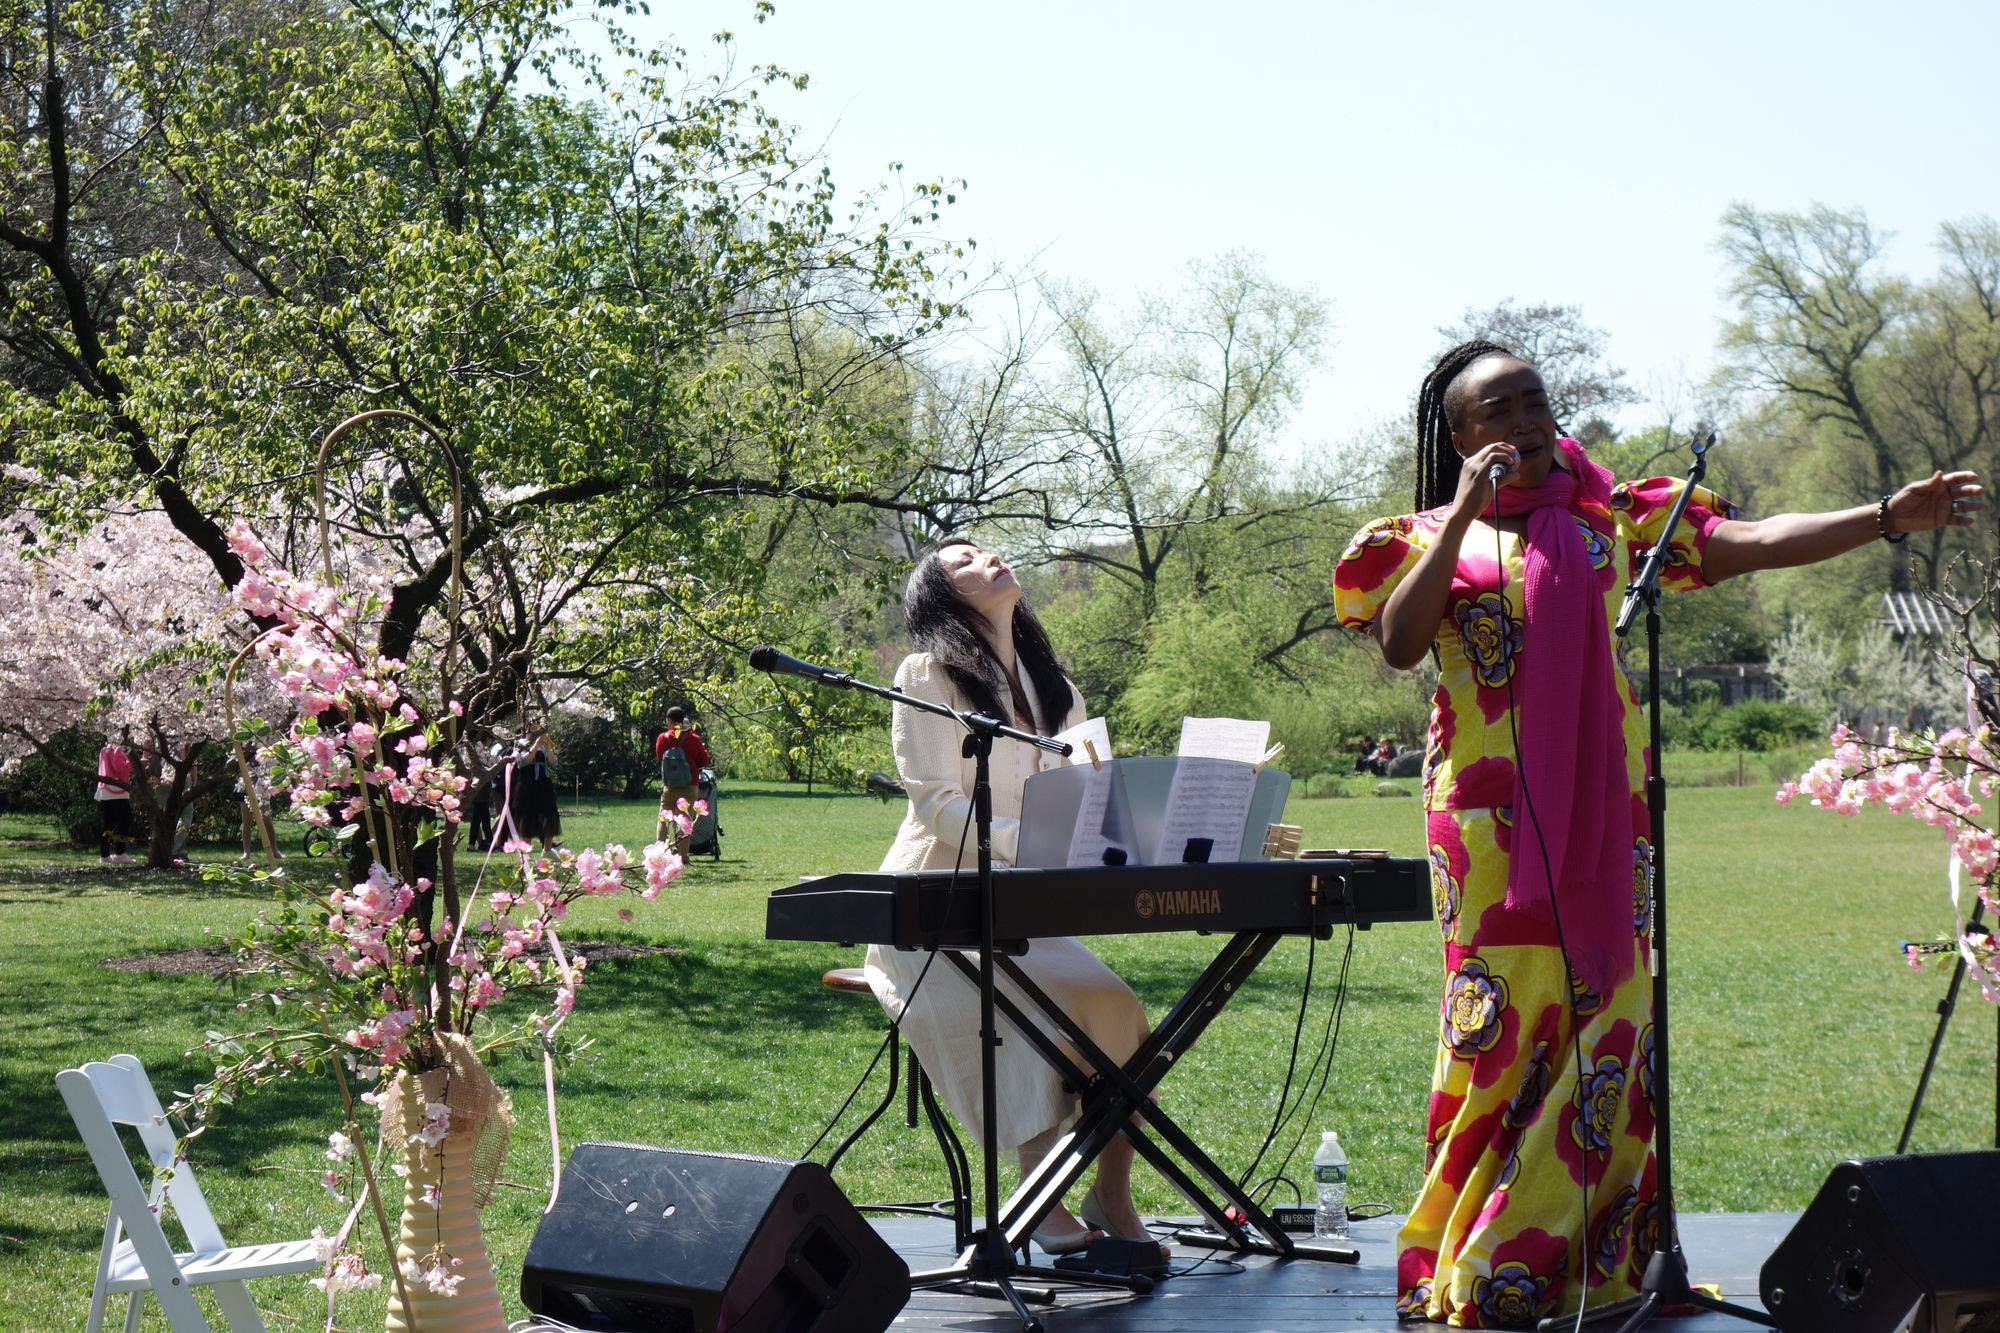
column 680, row 777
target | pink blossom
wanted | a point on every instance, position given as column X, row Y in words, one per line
column 244, row 542
column 258, row 595
column 436, row 1277
column 662, row 864
column 437, row 1124
column 345, row 1271
column 1977, row 849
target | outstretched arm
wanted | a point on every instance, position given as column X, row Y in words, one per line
column 1737, row 546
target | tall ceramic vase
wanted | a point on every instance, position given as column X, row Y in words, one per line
column 452, row 1226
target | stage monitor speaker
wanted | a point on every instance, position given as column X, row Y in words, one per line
column 665, row 1240
column 1892, row 1245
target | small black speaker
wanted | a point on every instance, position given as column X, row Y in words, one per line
column 665, row 1240
column 1892, row 1245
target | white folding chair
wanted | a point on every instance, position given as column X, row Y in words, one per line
column 136, row 1256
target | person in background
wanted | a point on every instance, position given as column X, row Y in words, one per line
column 1537, row 824
column 114, row 798
column 487, row 771
column 682, row 755
column 535, row 809
column 979, row 647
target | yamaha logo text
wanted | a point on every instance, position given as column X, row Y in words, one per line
column 1178, row 902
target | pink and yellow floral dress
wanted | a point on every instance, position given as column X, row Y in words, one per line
column 1494, row 1239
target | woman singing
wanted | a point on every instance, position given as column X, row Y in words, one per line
column 979, row 648
column 1537, row 825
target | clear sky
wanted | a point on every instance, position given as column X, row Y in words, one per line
column 1409, row 160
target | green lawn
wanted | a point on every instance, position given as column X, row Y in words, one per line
column 1798, row 1033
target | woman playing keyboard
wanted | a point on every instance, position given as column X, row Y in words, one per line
column 980, row 649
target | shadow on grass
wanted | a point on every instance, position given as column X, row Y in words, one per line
column 42, row 1141
column 789, row 794
column 54, row 884
column 729, row 998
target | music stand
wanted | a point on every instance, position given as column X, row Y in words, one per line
column 987, row 1265
column 1666, row 1279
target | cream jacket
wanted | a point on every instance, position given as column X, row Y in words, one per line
column 938, row 778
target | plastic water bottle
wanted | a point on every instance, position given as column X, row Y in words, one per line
column 1330, row 1174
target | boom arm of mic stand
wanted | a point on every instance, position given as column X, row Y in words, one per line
column 1647, row 585
column 979, row 722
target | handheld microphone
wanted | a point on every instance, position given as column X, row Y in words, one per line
column 1494, row 473
column 766, row 658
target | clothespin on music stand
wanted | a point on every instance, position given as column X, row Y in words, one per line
column 1091, row 750
column 1281, row 841
column 1270, row 754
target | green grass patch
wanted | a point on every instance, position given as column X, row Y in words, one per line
column 1798, row 1033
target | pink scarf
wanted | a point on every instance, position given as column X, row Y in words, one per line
column 1569, row 778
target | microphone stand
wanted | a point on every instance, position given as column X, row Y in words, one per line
column 1666, row 1280
column 988, row 1265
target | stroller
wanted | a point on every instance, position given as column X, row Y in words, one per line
column 707, row 835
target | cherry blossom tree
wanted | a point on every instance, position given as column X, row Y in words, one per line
column 124, row 629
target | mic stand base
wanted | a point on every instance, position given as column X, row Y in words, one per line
column 1665, row 1287
column 988, row 1268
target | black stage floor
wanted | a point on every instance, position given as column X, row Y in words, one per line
column 1723, row 1249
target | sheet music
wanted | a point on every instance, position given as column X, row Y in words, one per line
column 1224, row 738
column 1092, row 835
column 1210, row 798
column 1093, row 730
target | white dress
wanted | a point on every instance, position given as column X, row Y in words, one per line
column 942, row 1021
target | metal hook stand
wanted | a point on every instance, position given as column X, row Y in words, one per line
column 1946, row 1007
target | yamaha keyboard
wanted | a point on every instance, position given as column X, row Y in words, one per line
column 931, row 909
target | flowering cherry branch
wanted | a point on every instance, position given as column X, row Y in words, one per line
column 379, row 979
column 1938, row 780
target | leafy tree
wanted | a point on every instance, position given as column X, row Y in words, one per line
column 1902, row 684
column 638, row 337
column 1887, row 378
column 1582, row 385
column 1161, row 424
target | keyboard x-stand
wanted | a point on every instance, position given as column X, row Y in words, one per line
column 987, row 1266
column 1248, row 905
column 1116, row 1100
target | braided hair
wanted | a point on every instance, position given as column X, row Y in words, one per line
column 941, row 624
column 1438, row 410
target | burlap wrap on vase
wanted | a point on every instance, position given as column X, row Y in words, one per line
column 464, row 1168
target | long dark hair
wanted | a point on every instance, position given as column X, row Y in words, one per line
column 945, row 627
column 1438, row 409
